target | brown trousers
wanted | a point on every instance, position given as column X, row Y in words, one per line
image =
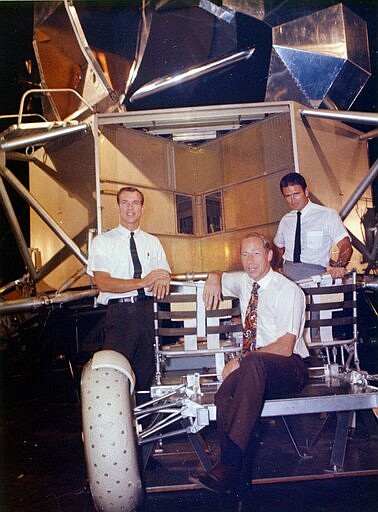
column 241, row 396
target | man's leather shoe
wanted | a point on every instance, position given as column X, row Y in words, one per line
column 220, row 478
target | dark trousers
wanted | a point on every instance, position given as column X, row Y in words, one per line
column 298, row 271
column 241, row 396
column 129, row 329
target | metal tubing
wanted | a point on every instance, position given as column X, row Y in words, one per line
column 340, row 441
column 375, row 248
column 40, row 138
column 143, row 407
column 157, row 346
column 72, row 296
column 189, row 276
column 163, row 435
column 349, row 205
column 21, row 305
column 9, row 286
column 7, row 174
column 342, row 115
column 372, row 134
column 67, row 284
column 166, row 408
column 47, row 92
column 165, row 82
column 15, row 226
column 370, row 285
column 356, row 242
column 169, row 420
column 352, row 201
column 33, row 303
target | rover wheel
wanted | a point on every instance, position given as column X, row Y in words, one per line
column 107, row 386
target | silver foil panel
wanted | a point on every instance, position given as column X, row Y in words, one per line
column 326, row 56
column 161, row 54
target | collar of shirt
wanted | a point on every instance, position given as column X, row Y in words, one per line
column 306, row 209
column 264, row 281
column 124, row 230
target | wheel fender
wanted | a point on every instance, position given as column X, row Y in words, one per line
column 116, row 361
column 109, row 437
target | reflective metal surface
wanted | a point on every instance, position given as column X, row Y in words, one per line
column 167, row 54
column 191, row 74
column 324, row 55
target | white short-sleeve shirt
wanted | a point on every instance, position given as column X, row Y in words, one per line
column 280, row 310
column 110, row 252
column 320, row 228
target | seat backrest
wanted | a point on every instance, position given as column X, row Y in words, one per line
column 182, row 314
column 184, row 328
column 331, row 319
column 176, row 318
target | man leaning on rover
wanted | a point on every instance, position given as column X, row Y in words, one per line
column 273, row 313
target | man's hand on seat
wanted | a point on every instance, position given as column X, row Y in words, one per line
column 336, row 272
column 212, row 292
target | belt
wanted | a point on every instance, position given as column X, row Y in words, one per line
column 130, row 300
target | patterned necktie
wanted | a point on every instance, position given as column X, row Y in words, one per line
column 136, row 263
column 297, row 243
column 250, row 323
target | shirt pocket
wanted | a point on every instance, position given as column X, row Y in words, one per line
column 314, row 239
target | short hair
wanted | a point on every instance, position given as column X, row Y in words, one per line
column 265, row 241
column 293, row 178
column 130, row 189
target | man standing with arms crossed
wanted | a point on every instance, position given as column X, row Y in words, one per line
column 306, row 234
column 130, row 268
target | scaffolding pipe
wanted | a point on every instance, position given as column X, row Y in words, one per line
column 372, row 134
column 7, row 174
column 356, row 242
column 352, row 201
column 70, row 281
column 47, row 92
column 199, row 276
column 342, row 115
column 34, row 303
column 16, row 229
column 41, row 137
column 10, row 286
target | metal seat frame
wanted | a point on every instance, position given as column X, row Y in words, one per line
column 327, row 332
column 200, row 331
column 341, row 388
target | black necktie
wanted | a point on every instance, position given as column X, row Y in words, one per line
column 136, row 263
column 297, row 244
